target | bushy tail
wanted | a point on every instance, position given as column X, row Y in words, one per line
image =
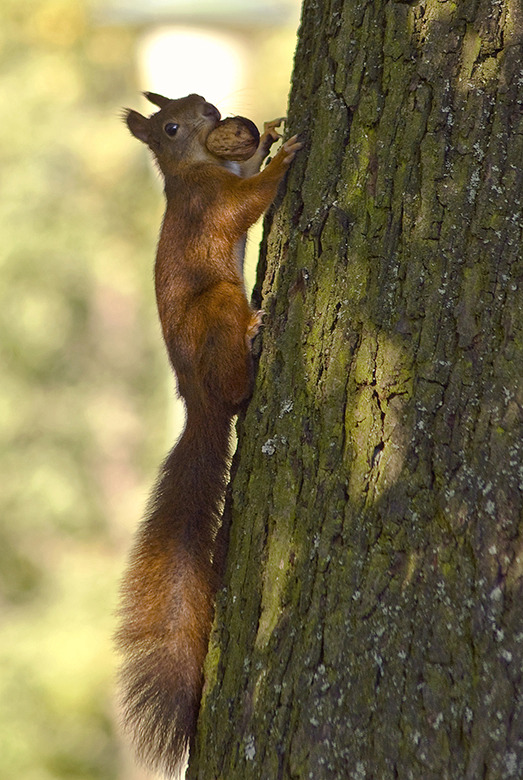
column 168, row 595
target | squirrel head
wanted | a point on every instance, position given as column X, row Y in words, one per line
column 177, row 133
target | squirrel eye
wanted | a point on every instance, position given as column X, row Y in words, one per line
column 171, row 128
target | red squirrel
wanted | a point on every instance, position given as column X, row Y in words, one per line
column 208, row 325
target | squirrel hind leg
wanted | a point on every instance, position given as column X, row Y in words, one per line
column 225, row 364
column 234, row 377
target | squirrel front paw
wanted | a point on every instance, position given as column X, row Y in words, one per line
column 270, row 135
column 289, row 149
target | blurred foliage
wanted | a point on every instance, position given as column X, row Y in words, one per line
column 84, row 380
column 85, row 383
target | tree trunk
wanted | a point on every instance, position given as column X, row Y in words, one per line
column 371, row 624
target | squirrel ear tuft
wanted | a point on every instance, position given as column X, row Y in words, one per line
column 158, row 100
column 137, row 124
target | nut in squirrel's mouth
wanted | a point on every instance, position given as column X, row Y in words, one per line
column 235, row 138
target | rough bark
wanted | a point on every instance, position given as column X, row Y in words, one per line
column 371, row 624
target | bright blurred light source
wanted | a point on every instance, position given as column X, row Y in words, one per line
column 176, row 61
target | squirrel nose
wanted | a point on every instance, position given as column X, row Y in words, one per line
column 211, row 111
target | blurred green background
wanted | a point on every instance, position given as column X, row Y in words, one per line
column 86, row 409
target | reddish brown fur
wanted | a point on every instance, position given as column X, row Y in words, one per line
column 207, row 324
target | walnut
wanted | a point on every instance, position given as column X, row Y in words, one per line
column 234, row 138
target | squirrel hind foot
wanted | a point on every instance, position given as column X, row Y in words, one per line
column 255, row 323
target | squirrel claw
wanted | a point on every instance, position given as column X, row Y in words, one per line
column 270, row 135
column 255, row 324
column 270, row 127
column 290, row 148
